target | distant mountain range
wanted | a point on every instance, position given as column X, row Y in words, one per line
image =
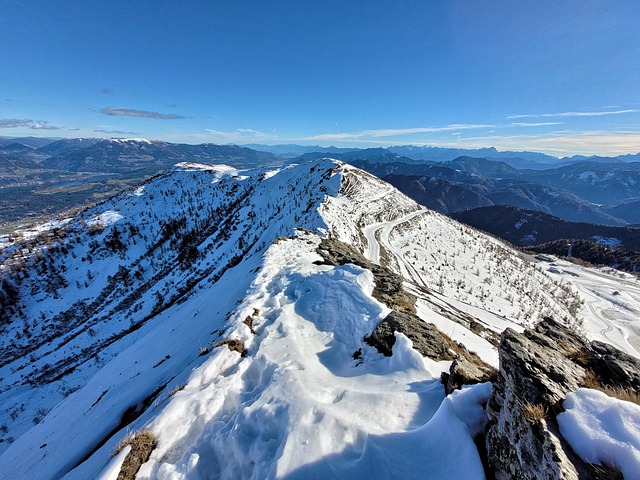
column 52, row 175
column 121, row 156
column 530, row 227
column 467, row 182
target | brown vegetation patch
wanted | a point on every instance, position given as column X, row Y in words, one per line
column 592, row 381
column 234, row 345
column 534, row 412
column 142, row 444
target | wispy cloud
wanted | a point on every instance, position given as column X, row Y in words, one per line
column 117, row 132
column 15, row 122
column 537, row 124
column 43, row 125
column 562, row 143
column 28, row 123
column 363, row 135
column 240, row 135
column 575, row 114
column 131, row 112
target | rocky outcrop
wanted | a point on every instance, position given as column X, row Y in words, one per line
column 538, row 368
column 467, row 368
column 465, row 372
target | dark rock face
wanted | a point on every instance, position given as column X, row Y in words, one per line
column 465, row 372
column 425, row 336
column 538, row 368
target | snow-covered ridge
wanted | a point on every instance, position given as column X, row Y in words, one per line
column 111, row 311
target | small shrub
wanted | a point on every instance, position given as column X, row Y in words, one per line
column 534, row 413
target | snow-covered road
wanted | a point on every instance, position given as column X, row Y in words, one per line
column 612, row 304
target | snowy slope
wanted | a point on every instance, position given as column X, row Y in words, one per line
column 612, row 300
column 116, row 306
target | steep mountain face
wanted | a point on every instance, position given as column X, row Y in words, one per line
column 598, row 182
column 437, row 193
column 482, row 166
column 67, row 145
column 122, row 156
column 529, row 227
column 628, row 211
column 24, row 152
column 180, row 306
column 554, row 201
column 447, row 190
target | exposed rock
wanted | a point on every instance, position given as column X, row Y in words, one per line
column 464, row 372
column 388, row 285
column 538, row 368
column 613, row 367
column 426, row 338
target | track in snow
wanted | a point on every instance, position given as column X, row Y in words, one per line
column 384, row 229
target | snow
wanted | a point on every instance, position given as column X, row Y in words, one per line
column 105, row 218
column 589, row 177
column 111, row 472
column 520, row 223
column 124, row 140
column 31, row 231
column 301, row 403
column 454, row 330
column 608, row 317
column 602, row 429
column 608, row 241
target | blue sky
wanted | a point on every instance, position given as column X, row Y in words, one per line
column 561, row 77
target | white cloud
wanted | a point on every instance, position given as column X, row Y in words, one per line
column 538, row 124
column 240, row 135
column 131, row 112
column 363, row 135
column 561, row 143
column 575, row 114
column 15, row 122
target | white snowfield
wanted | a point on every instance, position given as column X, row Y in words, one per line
column 602, row 429
column 612, row 301
column 309, row 399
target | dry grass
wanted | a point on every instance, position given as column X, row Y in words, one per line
column 534, row 413
column 234, row 345
column 126, row 440
column 142, row 444
column 176, row 389
column 592, row 381
column 578, row 356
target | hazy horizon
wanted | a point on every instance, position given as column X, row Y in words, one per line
column 560, row 79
